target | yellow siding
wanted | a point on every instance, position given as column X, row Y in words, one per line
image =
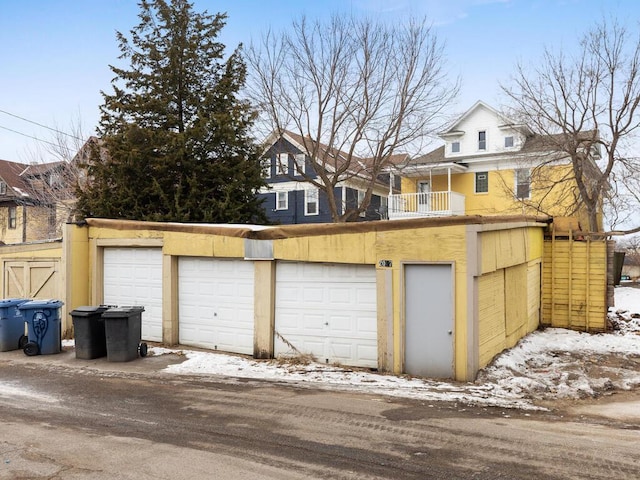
column 534, row 287
column 408, row 185
column 508, row 289
column 447, row 243
column 503, row 248
column 574, row 284
column 345, row 248
column 516, row 307
column 491, row 316
column 550, row 195
column 202, row 245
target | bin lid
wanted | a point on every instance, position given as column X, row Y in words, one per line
column 122, row 311
column 12, row 302
column 87, row 310
column 34, row 304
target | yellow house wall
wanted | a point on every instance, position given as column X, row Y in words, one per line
column 548, row 194
column 10, row 235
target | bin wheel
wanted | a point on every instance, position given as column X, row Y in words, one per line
column 143, row 349
column 31, row 349
column 22, row 341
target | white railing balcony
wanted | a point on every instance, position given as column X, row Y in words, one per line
column 432, row 204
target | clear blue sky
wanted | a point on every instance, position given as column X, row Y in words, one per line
column 55, row 53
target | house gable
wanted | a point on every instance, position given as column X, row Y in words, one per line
column 483, row 131
column 291, row 199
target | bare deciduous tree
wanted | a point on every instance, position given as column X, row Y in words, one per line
column 583, row 104
column 51, row 177
column 356, row 91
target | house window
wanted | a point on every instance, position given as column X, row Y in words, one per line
column 282, row 200
column 361, row 195
column 455, row 147
column 523, row 183
column 3, row 188
column 311, row 201
column 482, row 140
column 482, row 182
column 12, row 217
column 299, row 158
column 266, row 167
column 283, row 163
column 54, row 179
column 508, row 141
column 384, row 207
column 52, row 219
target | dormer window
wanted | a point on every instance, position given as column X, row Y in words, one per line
column 299, row 159
column 455, row 147
column 508, row 141
column 482, row 140
column 283, row 163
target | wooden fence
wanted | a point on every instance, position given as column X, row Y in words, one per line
column 575, row 282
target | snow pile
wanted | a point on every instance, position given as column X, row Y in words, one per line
column 548, row 364
column 625, row 316
column 558, row 363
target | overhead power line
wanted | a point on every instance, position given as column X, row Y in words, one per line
column 29, row 136
column 38, row 124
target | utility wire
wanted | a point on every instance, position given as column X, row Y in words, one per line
column 38, row 124
column 29, row 136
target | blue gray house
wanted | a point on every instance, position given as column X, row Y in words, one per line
column 292, row 198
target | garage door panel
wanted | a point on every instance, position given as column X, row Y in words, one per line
column 133, row 276
column 216, row 303
column 313, row 322
column 327, row 310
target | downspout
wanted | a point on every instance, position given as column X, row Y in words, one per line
column 24, row 223
column 449, row 190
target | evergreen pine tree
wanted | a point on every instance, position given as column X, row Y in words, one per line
column 175, row 141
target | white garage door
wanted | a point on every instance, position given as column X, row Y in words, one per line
column 327, row 310
column 133, row 276
column 215, row 298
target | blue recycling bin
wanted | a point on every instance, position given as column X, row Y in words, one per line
column 12, row 335
column 44, row 330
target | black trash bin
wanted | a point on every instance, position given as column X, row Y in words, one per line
column 89, row 332
column 123, row 329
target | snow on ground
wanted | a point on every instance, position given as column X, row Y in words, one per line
column 547, row 364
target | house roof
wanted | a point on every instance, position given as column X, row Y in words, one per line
column 506, row 122
column 334, row 158
column 10, row 173
column 19, row 177
column 533, row 144
column 316, row 229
